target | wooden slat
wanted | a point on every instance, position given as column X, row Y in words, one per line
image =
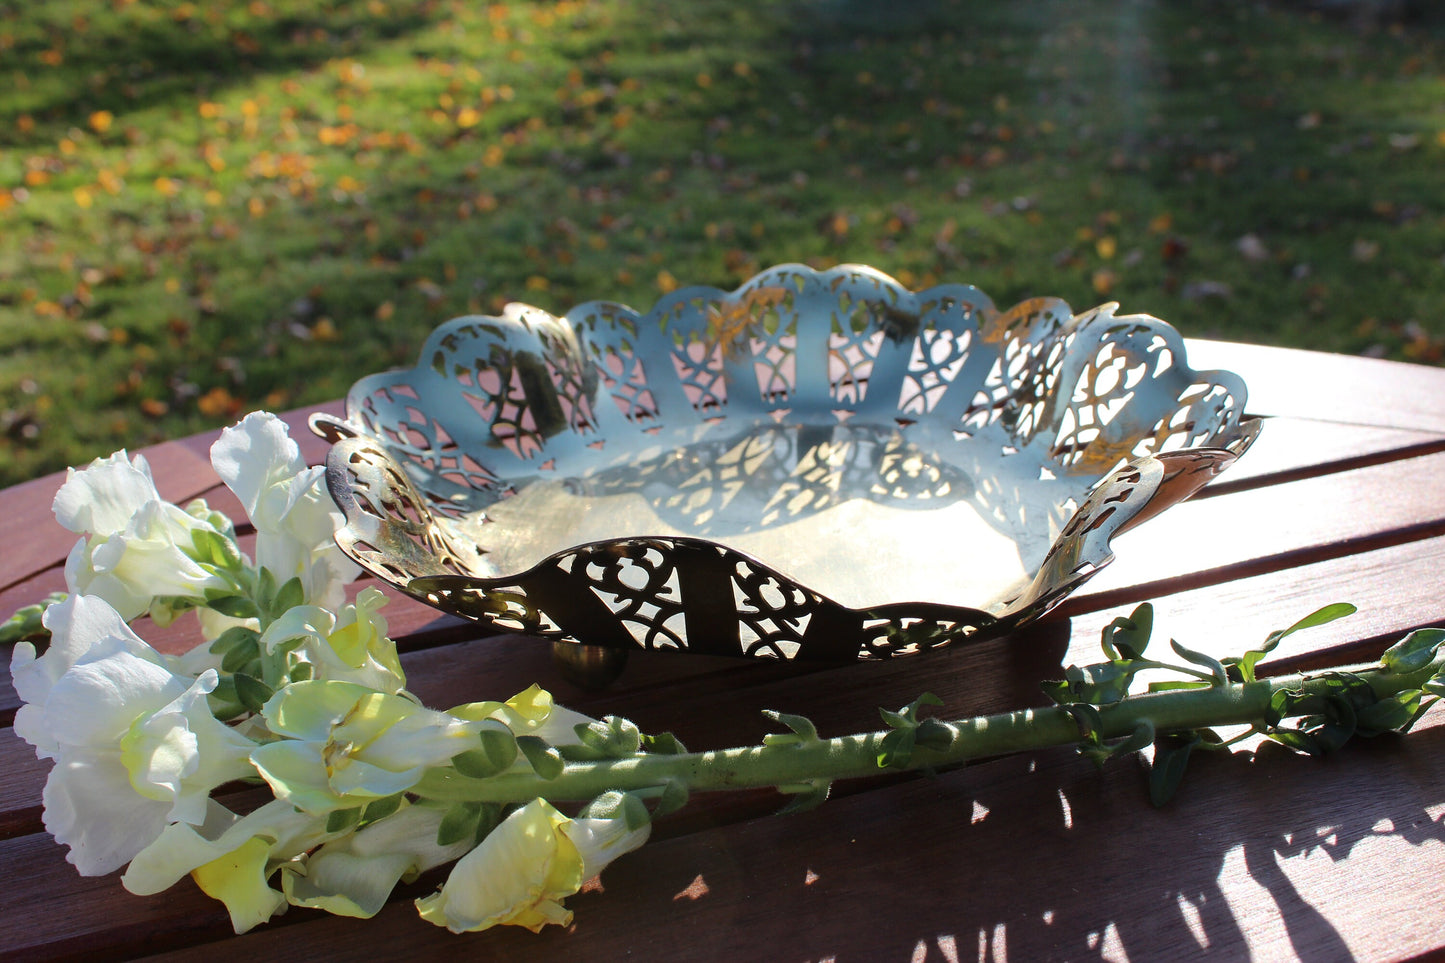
column 1037, row 858
column 313, row 447
column 182, row 471
column 67, row 916
column 1228, row 536
column 723, row 700
column 1034, row 857
column 33, row 540
column 842, row 699
column 1225, row 537
column 1330, row 387
column 1289, row 449
column 1395, row 590
column 20, row 789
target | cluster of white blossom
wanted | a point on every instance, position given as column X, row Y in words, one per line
column 292, row 688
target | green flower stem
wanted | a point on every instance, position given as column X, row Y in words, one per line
column 856, row 756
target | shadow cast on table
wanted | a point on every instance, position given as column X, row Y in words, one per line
column 1038, row 859
column 1025, row 858
column 1028, row 857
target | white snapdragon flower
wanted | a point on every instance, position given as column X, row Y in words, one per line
column 135, row 745
column 343, row 745
column 354, row 875
column 231, row 858
column 350, row 646
column 522, row 871
column 136, row 547
column 80, row 629
column 288, row 504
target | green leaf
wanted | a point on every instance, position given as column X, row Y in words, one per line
column 225, row 690
column 1414, row 651
column 626, row 806
column 593, row 735
column 340, row 820
column 806, row 795
column 489, row 817
column 674, row 797
column 1088, row 718
column 545, row 761
column 251, row 692
column 242, row 653
column 1283, row 703
column 933, row 734
column 1170, row 685
column 1095, row 749
column 894, row 720
column 662, row 744
column 610, row 738
column 232, row 637
column 1396, row 712
column 896, row 748
column 625, row 737
column 497, row 752
column 1334, row 727
column 222, row 710
column 907, row 717
column 235, row 606
column 926, row 699
column 459, row 823
column 1296, row 740
column 500, row 746
column 1215, row 667
column 265, row 589
column 1126, row 638
column 215, row 548
column 1058, row 691
column 474, row 764
column 1322, row 616
column 1244, row 665
column 803, row 730
column 1103, row 683
column 381, row 808
column 1171, row 756
column 287, row 597
column 1143, row 735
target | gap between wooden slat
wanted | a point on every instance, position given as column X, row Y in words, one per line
column 1226, row 484
column 1144, row 591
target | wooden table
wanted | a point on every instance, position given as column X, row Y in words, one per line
column 1034, row 857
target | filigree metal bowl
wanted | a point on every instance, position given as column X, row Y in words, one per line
column 817, row 465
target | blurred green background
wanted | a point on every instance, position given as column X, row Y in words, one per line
column 208, row 208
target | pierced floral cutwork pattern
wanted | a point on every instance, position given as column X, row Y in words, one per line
column 741, row 472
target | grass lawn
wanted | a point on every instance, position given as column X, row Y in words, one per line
column 211, row 207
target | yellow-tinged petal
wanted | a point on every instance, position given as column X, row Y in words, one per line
column 530, row 713
column 355, row 874
column 346, row 740
column 238, row 879
column 533, row 704
column 517, row 876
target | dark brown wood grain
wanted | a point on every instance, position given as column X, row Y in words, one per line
column 1037, row 857
column 1263, row 854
